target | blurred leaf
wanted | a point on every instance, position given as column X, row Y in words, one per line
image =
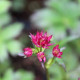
column 11, row 31
column 8, row 75
column 26, row 75
column 18, row 5
column 3, row 52
column 57, row 32
column 14, row 47
column 18, row 75
column 68, row 39
column 43, row 18
column 70, row 59
column 4, row 66
column 4, row 6
column 57, row 72
column 61, row 63
column 4, row 19
column 74, row 75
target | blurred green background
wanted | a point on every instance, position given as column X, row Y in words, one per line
column 18, row 18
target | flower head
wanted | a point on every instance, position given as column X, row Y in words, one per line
column 56, row 51
column 41, row 56
column 41, row 40
column 28, row 52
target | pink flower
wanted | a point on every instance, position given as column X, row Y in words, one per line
column 41, row 40
column 56, row 51
column 28, row 52
column 78, row 78
column 41, row 56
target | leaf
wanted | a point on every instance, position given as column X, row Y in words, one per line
column 11, row 31
column 18, row 75
column 4, row 19
column 75, row 73
column 14, row 47
column 68, row 39
column 27, row 76
column 3, row 52
column 70, row 59
column 57, row 73
column 4, row 66
column 4, row 6
column 61, row 63
column 8, row 75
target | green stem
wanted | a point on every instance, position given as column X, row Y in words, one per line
column 41, row 49
column 47, row 74
column 50, row 62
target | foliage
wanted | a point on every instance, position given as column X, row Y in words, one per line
column 7, row 43
column 18, row 75
column 57, row 17
column 61, row 18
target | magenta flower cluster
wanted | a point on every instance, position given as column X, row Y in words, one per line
column 42, row 41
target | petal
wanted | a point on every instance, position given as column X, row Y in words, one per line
column 60, row 53
column 57, row 46
column 59, row 56
column 41, row 33
column 50, row 44
column 49, row 38
column 44, row 59
column 40, row 59
column 32, row 36
column 45, row 34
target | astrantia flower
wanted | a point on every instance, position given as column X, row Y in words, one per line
column 41, row 40
column 28, row 52
column 41, row 56
column 56, row 51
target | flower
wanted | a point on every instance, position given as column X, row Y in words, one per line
column 41, row 40
column 28, row 52
column 41, row 56
column 56, row 51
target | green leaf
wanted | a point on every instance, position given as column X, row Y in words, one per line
column 4, row 6
column 11, row 31
column 14, row 47
column 4, row 66
column 26, row 75
column 73, row 73
column 57, row 72
column 3, row 52
column 8, row 75
column 68, row 39
column 61, row 63
column 70, row 59
column 18, row 75
column 4, row 19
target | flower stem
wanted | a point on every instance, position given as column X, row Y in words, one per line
column 47, row 74
column 41, row 49
column 50, row 62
